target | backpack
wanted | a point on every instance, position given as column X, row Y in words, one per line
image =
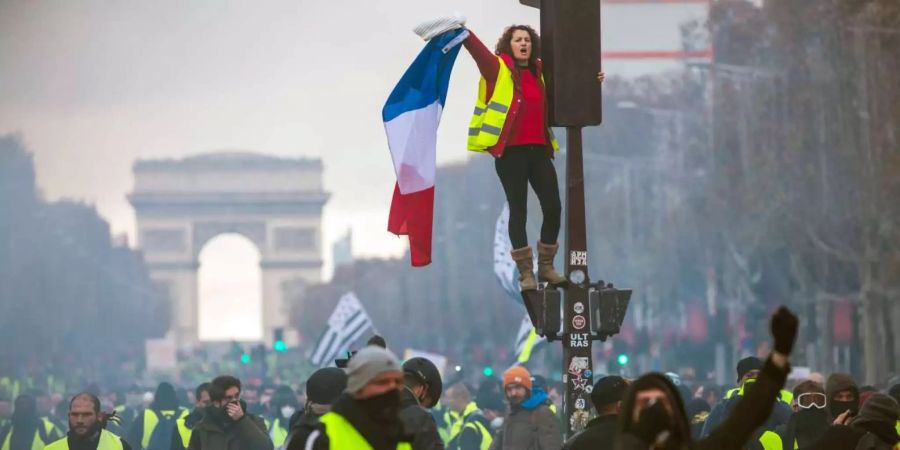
column 161, row 438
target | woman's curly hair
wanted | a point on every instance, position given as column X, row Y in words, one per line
column 504, row 46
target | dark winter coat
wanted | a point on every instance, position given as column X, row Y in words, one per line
column 600, row 434
column 523, row 429
column 417, row 421
column 346, row 406
column 748, row 414
column 873, row 429
column 248, row 433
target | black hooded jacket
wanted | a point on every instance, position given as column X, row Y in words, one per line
column 749, row 413
column 418, row 422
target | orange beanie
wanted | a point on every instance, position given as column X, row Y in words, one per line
column 517, row 375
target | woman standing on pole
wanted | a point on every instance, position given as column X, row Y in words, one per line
column 510, row 122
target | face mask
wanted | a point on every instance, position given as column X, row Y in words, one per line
column 384, row 408
column 287, row 411
column 837, row 408
column 497, row 423
column 811, row 420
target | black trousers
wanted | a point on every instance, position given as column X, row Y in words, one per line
column 519, row 166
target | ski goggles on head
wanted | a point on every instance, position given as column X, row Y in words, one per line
column 810, row 400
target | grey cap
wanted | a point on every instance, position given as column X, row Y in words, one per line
column 367, row 364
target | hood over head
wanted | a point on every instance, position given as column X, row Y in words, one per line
column 655, row 380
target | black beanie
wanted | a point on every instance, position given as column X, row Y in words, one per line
column 747, row 364
column 326, row 385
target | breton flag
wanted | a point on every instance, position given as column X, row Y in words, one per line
column 504, row 266
column 347, row 324
column 411, row 116
column 527, row 341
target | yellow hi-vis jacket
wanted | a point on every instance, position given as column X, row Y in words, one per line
column 343, row 436
column 151, row 420
column 490, row 115
column 771, row 440
column 785, row 396
column 475, row 425
column 37, row 442
column 108, row 441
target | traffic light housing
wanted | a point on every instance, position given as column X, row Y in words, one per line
column 278, row 343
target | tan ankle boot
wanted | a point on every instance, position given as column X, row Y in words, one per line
column 525, row 262
column 546, row 273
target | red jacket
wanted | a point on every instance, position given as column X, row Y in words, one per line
column 489, row 66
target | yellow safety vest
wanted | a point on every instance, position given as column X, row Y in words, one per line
column 278, row 433
column 183, row 431
column 108, row 441
column 771, row 440
column 897, row 447
column 450, row 419
column 36, row 444
column 785, row 396
column 342, row 435
column 486, row 438
column 490, row 114
column 52, row 431
column 151, row 420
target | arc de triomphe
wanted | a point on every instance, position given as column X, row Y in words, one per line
column 274, row 202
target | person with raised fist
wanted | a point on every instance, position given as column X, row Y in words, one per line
column 653, row 414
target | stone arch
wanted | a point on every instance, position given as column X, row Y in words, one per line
column 275, row 202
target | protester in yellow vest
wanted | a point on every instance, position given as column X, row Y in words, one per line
column 86, row 430
column 510, row 122
column 367, row 415
column 26, row 430
column 472, row 430
column 162, row 412
column 807, row 424
column 283, row 406
column 186, row 423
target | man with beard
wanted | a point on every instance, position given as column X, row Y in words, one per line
column 186, row 423
column 807, row 424
column 367, row 415
column 86, row 428
column 653, row 414
column 226, row 424
column 843, row 394
column 527, row 427
column 26, row 430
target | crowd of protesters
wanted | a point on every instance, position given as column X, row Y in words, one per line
column 379, row 402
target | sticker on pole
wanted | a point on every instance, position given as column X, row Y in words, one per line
column 578, row 258
column 579, row 307
column 578, row 322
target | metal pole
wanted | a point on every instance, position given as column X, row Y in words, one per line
column 577, row 363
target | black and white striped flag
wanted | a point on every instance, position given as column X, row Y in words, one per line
column 347, row 324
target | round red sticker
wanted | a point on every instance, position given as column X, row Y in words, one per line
column 578, row 322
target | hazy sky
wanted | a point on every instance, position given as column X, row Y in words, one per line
column 93, row 85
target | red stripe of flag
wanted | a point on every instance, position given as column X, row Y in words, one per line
column 412, row 215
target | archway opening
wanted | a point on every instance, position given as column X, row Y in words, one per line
column 230, row 290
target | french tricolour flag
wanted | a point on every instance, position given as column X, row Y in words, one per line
column 411, row 116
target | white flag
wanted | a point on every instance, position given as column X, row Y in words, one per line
column 347, row 324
